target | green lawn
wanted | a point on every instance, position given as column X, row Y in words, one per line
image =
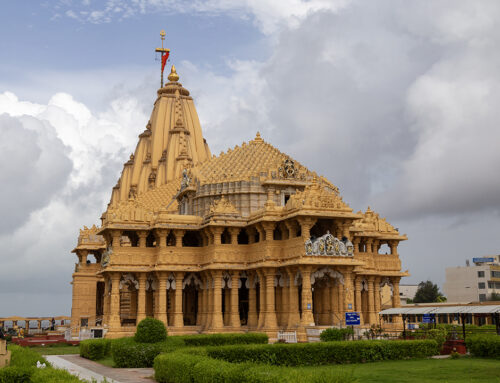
column 56, row 350
column 460, row 370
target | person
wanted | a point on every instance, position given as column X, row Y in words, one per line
column 2, row 335
column 53, row 324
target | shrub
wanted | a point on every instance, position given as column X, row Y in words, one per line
column 150, row 330
column 127, row 352
column 95, row 349
column 51, row 375
column 225, row 339
column 313, row 354
column 484, row 345
column 24, row 357
column 16, row 374
column 181, row 367
column 175, row 367
column 333, row 334
column 439, row 335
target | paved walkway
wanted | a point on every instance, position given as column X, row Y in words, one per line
column 88, row 370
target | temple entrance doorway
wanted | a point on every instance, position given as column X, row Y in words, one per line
column 128, row 300
column 243, row 300
column 190, row 298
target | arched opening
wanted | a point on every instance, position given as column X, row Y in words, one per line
column 257, row 236
column 171, row 238
column 128, row 300
column 243, row 237
column 151, row 240
column 190, row 296
column 225, row 237
column 151, row 286
column 191, row 239
column 133, row 238
column 384, row 249
column 243, row 294
column 277, row 234
column 327, row 304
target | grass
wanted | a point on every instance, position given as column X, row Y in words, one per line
column 460, row 370
column 56, row 349
column 107, row 361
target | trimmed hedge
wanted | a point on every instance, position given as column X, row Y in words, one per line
column 225, row 339
column 95, row 349
column 23, row 369
column 182, row 367
column 335, row 334
column 127, row 352
column 150, row 330
column 484, row 345
column 314, row 354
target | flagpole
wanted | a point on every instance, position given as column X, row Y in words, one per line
column 163, row 52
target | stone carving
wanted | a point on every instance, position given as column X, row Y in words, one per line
column 106, row 256
column 129, row 279
column 329, row 245
column 223, row 206
column 186, row 179
column 320, row 273
column 287, row 170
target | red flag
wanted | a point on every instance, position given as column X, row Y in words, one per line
column 164, row 59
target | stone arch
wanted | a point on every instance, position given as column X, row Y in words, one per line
column 225, row 237
column 243, row 237
column 192, row 238
column 128, row 287
column 327, row 291
column 191, row 295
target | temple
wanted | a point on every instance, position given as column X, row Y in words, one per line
column 249, row 240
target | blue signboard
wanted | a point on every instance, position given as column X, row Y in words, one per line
column 352, row 319
column 411, row 326
column 483, row 260
column 428, row 318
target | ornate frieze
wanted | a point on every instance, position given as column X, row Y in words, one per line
column 329, row 245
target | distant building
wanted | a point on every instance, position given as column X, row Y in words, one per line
column 407, row 292
column 473, row 283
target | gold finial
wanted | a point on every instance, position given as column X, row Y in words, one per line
column 162, row 35
column 258, row 138
column 165, row 52
column 173, row 76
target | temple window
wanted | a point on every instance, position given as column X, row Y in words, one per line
column 191, row 239
column 257, row 236
column 277, row 234
column 171, row 239
column 150, row 240
column 384, row 249
column 225, row 237
column 243, row 237
column 133, row 238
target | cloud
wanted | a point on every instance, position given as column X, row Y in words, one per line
column 268, row 16
column 59, row 162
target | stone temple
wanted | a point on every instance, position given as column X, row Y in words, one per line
column 249, row 240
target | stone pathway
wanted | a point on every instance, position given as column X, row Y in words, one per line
column 88, row 370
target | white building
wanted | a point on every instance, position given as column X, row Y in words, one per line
column 473, row 283
column 407, row 292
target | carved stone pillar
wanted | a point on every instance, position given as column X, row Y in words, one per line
column 359, row 300
column 82, row 257
column 285, row 302
column 142, row 234
column 107, row 287
column 210, row 300
column 334, row 304
column 305, row 227
column 269, row 230
column 141, row 301
column 377, row 296
column 162, row 297
column 114, row 320
column 161, row 237
column 396, row 300
column 270, row 322
column 217, row 323
column 356, row 241
column 262, row 299
column 394, row 247
column 252, row 302
column 371, row 300
column 293, row 299
column 178, row 237
column 117, row 236
column 178, row 315
column 217, row 232
column 369, row 245
column 234, row 231
column 341, row 303
column 345, row 230
column 235, row 312
column 349, row 291
column 307, row 314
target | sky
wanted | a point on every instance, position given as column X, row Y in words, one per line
column 395, row 102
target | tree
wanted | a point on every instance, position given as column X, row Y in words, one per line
column 428, row 292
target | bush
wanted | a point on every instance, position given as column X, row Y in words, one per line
column 51, row 375
column 24, row 357
column 333, row 334
column 181, row 367
column 484, row 345
column 150, row 330
column 314, row 354
column 95, row 349
column 127, row 352
column 225, row 339
column 16, row 374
